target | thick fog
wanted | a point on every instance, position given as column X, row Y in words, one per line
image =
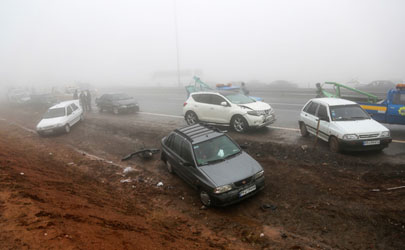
column 47, row 42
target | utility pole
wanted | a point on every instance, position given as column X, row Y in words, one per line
column 177, row 44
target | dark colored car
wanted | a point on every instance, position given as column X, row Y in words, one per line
column 117, row 103
column 212, row 163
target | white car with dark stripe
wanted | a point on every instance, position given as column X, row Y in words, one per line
column 343, row 124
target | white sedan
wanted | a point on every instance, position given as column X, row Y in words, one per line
column 60, row 118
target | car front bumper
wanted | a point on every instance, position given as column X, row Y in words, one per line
column 359, row 145
column 260, row 121
column 48, row 131
column 233, row 196
column 134, row 108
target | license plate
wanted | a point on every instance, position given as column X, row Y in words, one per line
column 367, row 143
column 247, row 190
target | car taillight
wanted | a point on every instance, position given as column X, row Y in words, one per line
column 184, row 104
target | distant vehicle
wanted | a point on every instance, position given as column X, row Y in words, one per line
column 343, row 124
column 213, row 164
column 380, row 86
column 227, row 108
column 18, row 96
column 117, row 103
column 60, row 118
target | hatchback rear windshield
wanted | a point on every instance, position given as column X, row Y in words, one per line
column 215, row 150
column 53, row 113
column 237, row 98
column 348, row 113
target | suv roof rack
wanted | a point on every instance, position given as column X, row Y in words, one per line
column 199, row 132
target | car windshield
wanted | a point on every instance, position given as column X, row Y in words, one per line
column 53, row 113
column 237, row 98
column 121, row 97
column 348, row 113
column 215, row 150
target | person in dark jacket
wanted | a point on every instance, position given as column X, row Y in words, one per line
column 83, row 100
column 243, row 88
column 76, row 95
column 88, row 100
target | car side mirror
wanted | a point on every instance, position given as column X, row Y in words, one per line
column 225, row 104
column 187, row 164
column 324, row 118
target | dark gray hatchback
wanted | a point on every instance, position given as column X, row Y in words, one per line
column 212, row 163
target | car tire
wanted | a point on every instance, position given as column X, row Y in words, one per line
column 191, row 118
column 334, row 145
column 115, row 111
column 205, row 198
column 67, row 128
column 303, row 130
column 239, row 124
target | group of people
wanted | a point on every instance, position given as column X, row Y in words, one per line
column 84, row 99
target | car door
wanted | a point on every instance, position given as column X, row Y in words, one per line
column 324, row 122
column 174, row 157
column 69, row 115
column 76, row 113
column 201, row 106
column 308, row 116
column 216, row 112
column 396, row 109
column 187, row 164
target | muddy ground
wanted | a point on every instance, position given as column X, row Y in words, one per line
column 70, row 192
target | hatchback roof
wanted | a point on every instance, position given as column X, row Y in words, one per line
column 199, row 132
column 333, row 101
column 63, row 104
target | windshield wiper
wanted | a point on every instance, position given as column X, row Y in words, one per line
column 231, row 155
column 358, row 118
column 215, row 161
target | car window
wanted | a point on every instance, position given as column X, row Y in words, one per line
column 399, row 99
column 348, row 113
column 312, row 108
column 55, row 112
column 322, row 111
column 216, row 100
column 69, row 110
column 169, row 140
column 74, row 106
column 237, row 98
column 203, row 98
column 176, row 144
column 186, row 152
column 213, row 150
column 307, row 107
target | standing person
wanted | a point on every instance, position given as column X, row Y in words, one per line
column 83, row 99
column 243, row 88
column 88, row 100
column 75, row 95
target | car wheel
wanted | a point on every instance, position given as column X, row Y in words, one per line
column 191, row 118
column 239, row 124
column 303, row 129
column 67, row 128
column 115, row 110
column 169, row 167
column 205, row 198
column 334, row 144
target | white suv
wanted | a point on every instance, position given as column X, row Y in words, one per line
column 227, row 108
column 344, row 124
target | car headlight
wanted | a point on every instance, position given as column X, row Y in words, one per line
column 385, row 134
column 222, row 189
column 253, row 112
column 259, row 174
column 350, row 137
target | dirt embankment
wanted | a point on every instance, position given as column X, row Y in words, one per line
column 313, row 199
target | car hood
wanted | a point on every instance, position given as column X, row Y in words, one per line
column 234, row 169
column 125, row 102
column 256, row 106
column 360, row 126
column 51, row 122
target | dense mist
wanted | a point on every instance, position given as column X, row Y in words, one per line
column 46, row 42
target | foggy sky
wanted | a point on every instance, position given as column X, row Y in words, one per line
column 126, row 42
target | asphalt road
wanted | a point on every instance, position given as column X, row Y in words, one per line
column 286, row 103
